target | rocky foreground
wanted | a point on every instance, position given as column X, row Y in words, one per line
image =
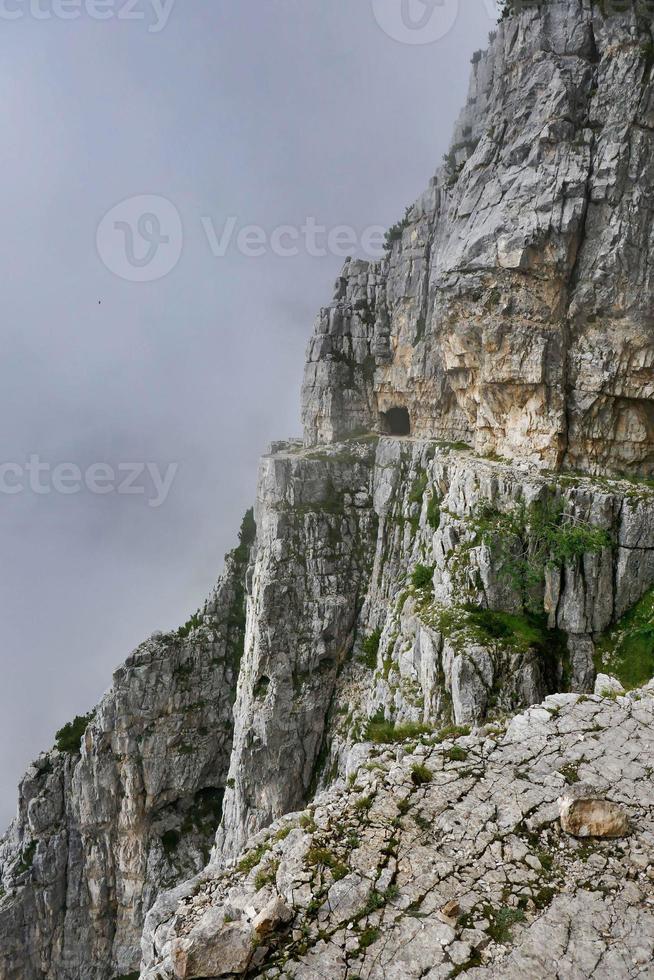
column 444, row 857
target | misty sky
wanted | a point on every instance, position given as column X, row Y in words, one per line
column 270, row 111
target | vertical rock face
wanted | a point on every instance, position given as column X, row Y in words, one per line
column 466, row 616
column 100, row 831
column 422, row 565
column 315, row 540
column 514, row 308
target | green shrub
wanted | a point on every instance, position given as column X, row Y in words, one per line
column 520, row 633
column 253, row 858
column 456, row 754
column 421, row 774
column 452, row 731
column 422, row 576
column 370, row 647
column 308, row 823
column 376, row 900
column 368, row 937
column 528, row 539
column 395, row 232
column 384, row 732
column 322, row 857
column 418, row 489
column 501, row 921
column 434, row 512
column 246, row 537
column 26, row 858
column 266, row 876
column 68, row 738
column 195, row 621
column 363, row 804
column 570, row 772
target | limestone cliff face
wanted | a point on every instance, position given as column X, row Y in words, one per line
column 379, row 540
column 514, row 309
column 425, row 565
column 315, row 540
column 100, row 831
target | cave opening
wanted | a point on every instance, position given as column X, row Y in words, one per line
column 398, row 421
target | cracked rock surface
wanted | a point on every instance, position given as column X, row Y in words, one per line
column 432, row 860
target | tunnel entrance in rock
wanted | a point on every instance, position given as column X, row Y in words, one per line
column 398, row 421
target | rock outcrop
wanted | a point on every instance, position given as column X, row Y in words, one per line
column 315, row 542
column 445, row 857
column 319, row 775
column 380, row 541
column 130, row 805
column 514, row 309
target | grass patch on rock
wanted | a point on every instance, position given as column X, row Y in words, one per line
column 420, row 775
column 501, row 922
column 253, row 858
column 422, row 577
column 627, row 650
column 384, row 732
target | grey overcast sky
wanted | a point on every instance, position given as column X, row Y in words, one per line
column 269, row 111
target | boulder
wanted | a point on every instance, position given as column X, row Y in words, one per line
column 277, row 913
column 214, row 948
column 584, row 813
column 608, row 686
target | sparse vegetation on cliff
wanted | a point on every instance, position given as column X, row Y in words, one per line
column 395, row 232
column 68, row 738
column 531, row 538
column 627, row 650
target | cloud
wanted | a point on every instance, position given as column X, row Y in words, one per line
column 271, row 112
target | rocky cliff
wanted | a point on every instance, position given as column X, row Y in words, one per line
column 514, row 310
column 466, row 531
column 127, row 803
